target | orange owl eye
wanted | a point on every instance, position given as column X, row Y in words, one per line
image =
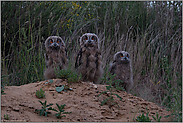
column 92, row 38
column 58, row 40
column 51, row 41
column 86, row 38
column 121, row 55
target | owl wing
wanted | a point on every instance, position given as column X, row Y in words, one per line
column 78, row 58
column 98, row 58
column 46, row 56
column 48, row 60
column 112, row 68
column 64, row 56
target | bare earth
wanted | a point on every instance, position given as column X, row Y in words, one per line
column 20, row 103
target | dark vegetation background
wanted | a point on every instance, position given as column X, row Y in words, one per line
column 150, row 31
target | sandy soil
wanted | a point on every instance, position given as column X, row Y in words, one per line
column 20, row 103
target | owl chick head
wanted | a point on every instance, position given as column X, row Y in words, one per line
column 54, row 43
column 89, row 40
column 122, row 57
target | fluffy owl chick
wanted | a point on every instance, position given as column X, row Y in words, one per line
column 55, row 56
column 89, row 59
column 121, row 66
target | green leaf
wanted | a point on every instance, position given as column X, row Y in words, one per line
column 59, row 89
column 41, row 112
column 44, row 103
column 159, row 118
column 51, row 80
column 49, row 104
column 41, row 102
column 58, row 106
column 104, row 101
column 62, row 106
column 154, row 118
column 57, row 114
column 118, row 96
column 46, row 114
column 50, row 108
column 102, row 93
column 54, row 109
column 108, row 87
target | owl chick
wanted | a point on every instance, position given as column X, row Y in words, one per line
column 89, row 59
column 121, row 66
column 55, row 56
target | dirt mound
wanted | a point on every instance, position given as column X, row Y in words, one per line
column 20, row 103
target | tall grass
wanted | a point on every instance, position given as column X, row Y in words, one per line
column 150, row 31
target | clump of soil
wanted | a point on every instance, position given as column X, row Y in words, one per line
column 20, row 103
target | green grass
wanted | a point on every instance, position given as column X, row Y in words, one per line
column 71, row 75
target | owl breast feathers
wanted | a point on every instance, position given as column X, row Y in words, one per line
column 89, row 59
column 55, row 56
column 121, row 66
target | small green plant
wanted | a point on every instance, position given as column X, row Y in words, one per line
column 110, row 98
column 40, row 94
column 74, row 77
column 45, row 110
column 109, row 89
column 61, row 111
column 68, row 74
column 2, row 91
column 143, row 118
column 63, row 74
column 119, row 86
column 63, row 88
column 108, row 78
column 6, row 117
column 157, row 118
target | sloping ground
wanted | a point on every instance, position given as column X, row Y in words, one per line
column 20, row 103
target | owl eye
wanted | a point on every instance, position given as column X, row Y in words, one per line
column 92, row 38
column 51, row 41
column 58, row 40
column 85, row 38
column 121, row 55
column 127, row 55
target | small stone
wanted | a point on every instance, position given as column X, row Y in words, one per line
column 95, row 86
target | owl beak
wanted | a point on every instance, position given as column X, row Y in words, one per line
column 55, row 44
column 89, row 41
